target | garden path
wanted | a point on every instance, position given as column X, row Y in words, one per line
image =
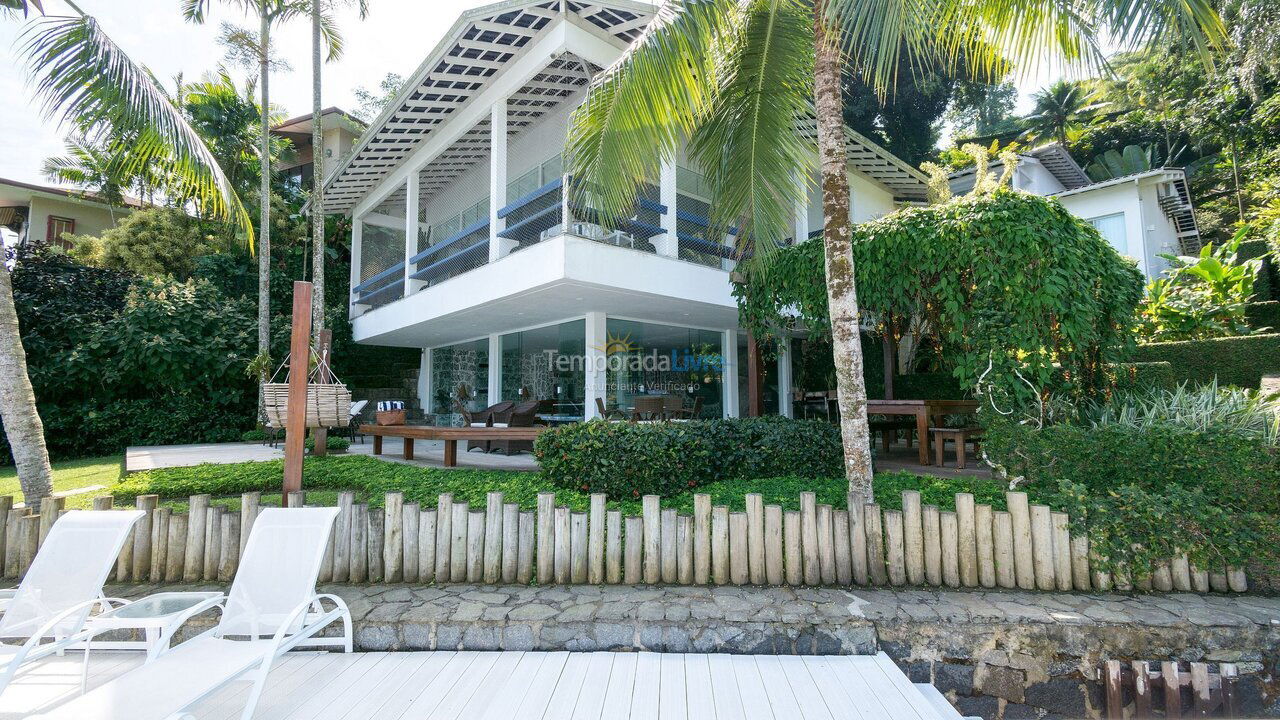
column 427, row 453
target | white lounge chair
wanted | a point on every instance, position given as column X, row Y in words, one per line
column 62, row 586
column 272, row 608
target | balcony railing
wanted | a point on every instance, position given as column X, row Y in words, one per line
column 541, row 215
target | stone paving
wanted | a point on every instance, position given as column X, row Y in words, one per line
column 996, row 654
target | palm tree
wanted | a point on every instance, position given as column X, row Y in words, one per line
column 317, row 159
column 270, row 13
column 735, row 79
column 1061, row 109
column 85, row 80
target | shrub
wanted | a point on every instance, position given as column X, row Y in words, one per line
column 255, row 435
column 634, row 459
column 1240, row 361
column 152, row 241
column 1264, row 316
column 1206, row 408
column 333, row 444
column 1201, row 297
column 1138, row 376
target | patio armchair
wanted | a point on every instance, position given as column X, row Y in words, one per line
column 689, row 413
column 523, row 414
column 487, row 417
column 353, row 421
column 611, row 415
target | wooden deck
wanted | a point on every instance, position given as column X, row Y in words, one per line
column 529, row 685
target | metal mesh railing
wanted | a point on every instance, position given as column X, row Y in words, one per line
column 382, row 254
column 457, row 245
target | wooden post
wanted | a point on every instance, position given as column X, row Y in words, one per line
column 51, row 506
column 142, row 531
column 595, row 540
column 160, row 543
column 229, row 556
column 613, row 547
column 341, row 537
column 510, row 542
column 177, row 548
column 1020, row 518
column 444, row 538
column 857, row 537
column 320, row 435
column 376, row 536
column 29, row 537
column 13, row 541
column 986, row 546
column 546, row 538
column 826, row 546
column 950, row 537
column 578, row 549
column 212, row 541
column 393, row 542
column 458, row 543
column 840, row 530
column 670, row 564
column 773, row 573
column 913, row 536
column 720, row 545
column 932, row 532
column 650, row 511
column 793, row 568
column 809, row 538
column 874, row 526
column 968, row 539
column 739, row 573
column 1062, row 551
column 1181, row 572
column 701, row 538
column 1042, row 546
column 295, row 499
column 562, row 545
column 360, row 543
column 755, row 538
column 1002, row 534
column 6, row 504
column 296, row 412
column 895, row 554
column 427, row 520
column 475, row 545
column 492, row 569
column 249, row 504
column 633, row 564
column 684, row 550
column 412, row 555
column 524, row 556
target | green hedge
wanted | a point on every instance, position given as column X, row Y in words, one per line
column 1240, row 361
column 633, row 459
column 1139, row 376
column 1166, row 489
column 1267, row 285
column 1264, row 315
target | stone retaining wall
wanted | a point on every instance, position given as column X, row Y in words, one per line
column 994, row 654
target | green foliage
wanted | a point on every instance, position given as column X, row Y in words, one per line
column 333, row 444
column 1139, row 376
column 254, row 435
column 636, row 459
column 940, row 491
column 1255, row 246
column 1263, row 316
column 1009, row 286
column 1126, row 484
column 1203, row 408
column 1201, row 297
column 1240, row 361
column 152, row 241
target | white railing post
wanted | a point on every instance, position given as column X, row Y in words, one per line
column 411, row 225
column 357, row 232
column 729, row 373
column 498, row 179
column 668, row 244
column 424, row 382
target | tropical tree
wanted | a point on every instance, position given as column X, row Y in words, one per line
column 735, row 79
column 317, row 155
column 257, row 47
column 1061, row 110
column 86, row 81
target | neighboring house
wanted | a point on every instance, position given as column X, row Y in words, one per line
column 505, row 283
column 1143, row 215
column 341, row 130
column 41, row 215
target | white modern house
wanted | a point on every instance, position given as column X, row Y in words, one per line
column 1143, row 215
column 465, row 244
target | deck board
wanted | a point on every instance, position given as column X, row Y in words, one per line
column 525, row 685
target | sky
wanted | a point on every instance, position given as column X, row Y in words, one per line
column 395, row 37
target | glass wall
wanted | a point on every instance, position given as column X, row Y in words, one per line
column 547, row 364
column 651, row 359
column 769, row 387
column 460, row 374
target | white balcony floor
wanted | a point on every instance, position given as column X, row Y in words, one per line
column 527, row 686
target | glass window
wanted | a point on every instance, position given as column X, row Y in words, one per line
column 1112, row 229
column 460, row 375
column 546, row 364
column 651, row 359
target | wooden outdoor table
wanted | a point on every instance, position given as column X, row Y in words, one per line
column 922, row 411
column 450, row 436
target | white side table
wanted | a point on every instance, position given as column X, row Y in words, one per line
column 159, row 616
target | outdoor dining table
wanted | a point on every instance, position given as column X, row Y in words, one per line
column 923, row 411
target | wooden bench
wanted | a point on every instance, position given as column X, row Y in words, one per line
column 959, row 436
column 450, row 436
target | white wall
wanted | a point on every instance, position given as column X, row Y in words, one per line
column 90, row 219
column 1121, row 198
column 1034, row 177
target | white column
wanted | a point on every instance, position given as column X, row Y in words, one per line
column 667, row 243
column 495, row 368
column 411, row 234
column 357, row 230
column 784, row 377
column 729, row 376
column 424, row 381
column 498, row 180
column 594, row 362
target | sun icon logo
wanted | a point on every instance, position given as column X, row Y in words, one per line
column 616, row 345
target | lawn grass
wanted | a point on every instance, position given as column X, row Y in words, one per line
column 369, row 478
column 71, row 475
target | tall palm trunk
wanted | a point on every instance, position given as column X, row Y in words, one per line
column 317, row 177
column 842, row 291
column 264, row 212
column 22, row 423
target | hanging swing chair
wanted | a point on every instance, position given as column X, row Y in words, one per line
column 328, row 399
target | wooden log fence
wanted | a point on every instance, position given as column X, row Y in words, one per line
column 975, row 546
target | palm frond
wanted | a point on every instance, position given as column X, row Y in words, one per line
column 641, row 108
column 85, row 79
column 757, row 163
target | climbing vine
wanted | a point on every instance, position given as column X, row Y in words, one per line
column 1012, row 288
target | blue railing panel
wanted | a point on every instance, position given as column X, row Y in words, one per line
column 439, row 266
column 397, row 268
column 471, row 229
column 531, row 197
